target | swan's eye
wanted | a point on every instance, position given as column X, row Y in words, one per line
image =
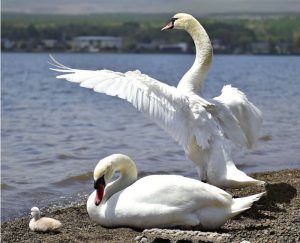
column 173, row 20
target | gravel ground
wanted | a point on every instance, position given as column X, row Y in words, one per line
column 275, row 218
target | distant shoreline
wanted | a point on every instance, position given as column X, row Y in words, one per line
column 274, row 218
column 143, row 53
column 229, row 34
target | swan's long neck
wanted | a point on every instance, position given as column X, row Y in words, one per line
column 37, row 217
column 193, row 79
column 35, row 213
column 128, row 175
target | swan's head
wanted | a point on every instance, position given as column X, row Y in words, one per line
column 35, row 212
column 180, row 21
column 105, row 169
column 103, row 172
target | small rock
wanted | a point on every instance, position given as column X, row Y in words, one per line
column 138, row 238
column 141, row 239
column 144, row 240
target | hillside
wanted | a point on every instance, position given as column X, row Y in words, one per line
column 233, row 34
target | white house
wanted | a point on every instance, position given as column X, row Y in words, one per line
column 96, row 43
column 260, row 47
column 177, row 47
column 49, row 43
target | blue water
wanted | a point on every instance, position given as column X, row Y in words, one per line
column 54, row 132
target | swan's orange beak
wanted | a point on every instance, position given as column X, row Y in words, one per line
column 169, row 26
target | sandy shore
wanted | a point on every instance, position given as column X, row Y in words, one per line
column 275, row 218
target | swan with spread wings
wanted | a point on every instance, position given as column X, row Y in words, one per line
column 204, row 128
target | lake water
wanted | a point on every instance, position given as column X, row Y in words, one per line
column 54, row 132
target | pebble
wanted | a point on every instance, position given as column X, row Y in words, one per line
column 272, row 232
column 267, row 224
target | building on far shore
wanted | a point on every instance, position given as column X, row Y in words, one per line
column 96, row 43
column 7, row 44
column 170, row 48
column 260, row 47
column 49, row 43
column 218, row 46
column 161, row 46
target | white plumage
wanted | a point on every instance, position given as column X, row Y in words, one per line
column 158, row 200
column 43, row 224
column 203, row 128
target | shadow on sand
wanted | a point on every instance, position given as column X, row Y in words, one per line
column 276, row 195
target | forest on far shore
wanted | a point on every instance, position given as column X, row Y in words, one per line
column 272, row 34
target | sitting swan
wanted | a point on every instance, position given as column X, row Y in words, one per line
column 43, row 224
column 158, row 200
column 203, row 128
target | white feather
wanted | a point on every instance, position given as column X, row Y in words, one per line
column 201, row 127
column 248, row 116
column 159, row 200
column 169, row 108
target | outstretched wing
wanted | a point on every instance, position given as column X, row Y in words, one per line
column 169, row 108
column 248, row 115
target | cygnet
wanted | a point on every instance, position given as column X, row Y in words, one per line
column 43, row 224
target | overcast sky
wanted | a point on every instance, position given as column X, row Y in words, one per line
column 198, row 7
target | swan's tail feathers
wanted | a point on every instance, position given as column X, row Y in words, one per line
column 221, row 170
column 247, row 114
column 245, row 180
column 241, row 204
column 242, row 180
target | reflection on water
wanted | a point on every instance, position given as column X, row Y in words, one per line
column 54, row 133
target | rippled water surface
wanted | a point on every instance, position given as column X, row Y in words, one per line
column 54, row 133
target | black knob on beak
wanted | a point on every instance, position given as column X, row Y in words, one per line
column 98, row 182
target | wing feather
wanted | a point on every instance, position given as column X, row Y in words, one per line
column 169, row 108
column 246, row 115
